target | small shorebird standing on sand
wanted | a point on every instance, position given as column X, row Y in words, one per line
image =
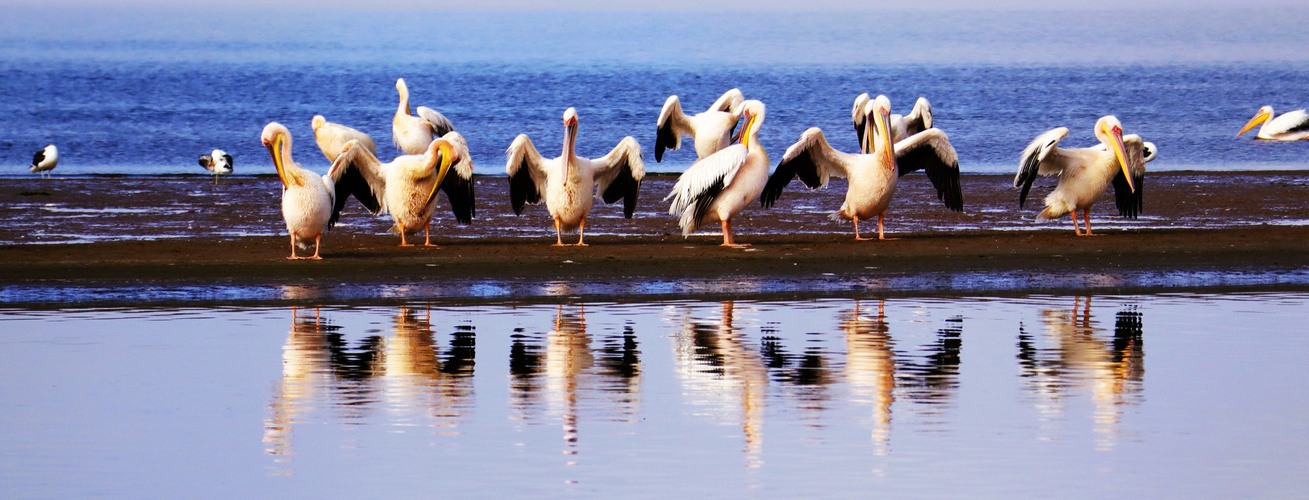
column 720, row 186
column 710, row 130
column 217, row 162
column 412, row 134
column 569, row 182
column 45, row 160
column 1291, row 126
column 1084, row 172
column 331, row 137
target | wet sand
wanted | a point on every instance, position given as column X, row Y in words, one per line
column 1201, row 231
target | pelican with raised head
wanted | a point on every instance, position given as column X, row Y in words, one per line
column 412, row 134
column 1291, row 126
column 718, row 187
column 311, row 204
column 331, row 137
column 217, row 162
column 1084, row 172
column 711, row 130
column 872, row 176
column 568, row 183
column 45, row 160
column 406, row 187
column 902, row 127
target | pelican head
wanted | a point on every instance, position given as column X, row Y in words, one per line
column 570, row 140
column 1264, row 114
column 1110, row 132
column 318, row 122
column 924, row 110
column 404, row 94
column 443, row 154
column 879, row 116
column 277, row 139
column 752, row 112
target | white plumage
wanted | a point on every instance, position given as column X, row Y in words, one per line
column 721, row 185
column 307, row 199
column 710, row 130
column 45, row 160
column 217, row 162
column 412, row 134
column 568, row 182
column 902, row 127
column 331, row 137
column 1291, row 126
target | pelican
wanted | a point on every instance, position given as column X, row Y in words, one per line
column 1291, row 126
column 902, row 127
column 309, row 203
column 721, row 185
column 711, row 130
column 406, row 187
column 873, row 176
column 411, row 133
column 217, row 162
column 45, row 160
column 331, row 137
column 568, row 182
column 1084, row 172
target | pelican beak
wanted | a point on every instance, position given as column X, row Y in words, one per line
column 736, row 136
column 275, row 150
column 747, row 120
column 570, row 138
column 444, row 158
column 1259, row 117
column 882, row 120
column 1121, row 152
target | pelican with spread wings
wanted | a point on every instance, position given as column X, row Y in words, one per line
column 1084, row 172
column 872, row 176
column 902, row 127
column 711, row 130
column 720, row 186
column 568, row 182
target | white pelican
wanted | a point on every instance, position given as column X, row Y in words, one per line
column 711, row 130
column 406, row 187
column 721, row 185
column 331, row 137
column 902, row 127
column 568, row 182
column 217, row 162
column 1291, row 126
column 309, row 203
column 873, row 176
column 45, row 160
column 411, row 133
column 1084, row 172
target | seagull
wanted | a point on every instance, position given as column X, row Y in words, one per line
column 217, row 162
column 45, row 160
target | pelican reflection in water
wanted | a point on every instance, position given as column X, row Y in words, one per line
column 1075, row 356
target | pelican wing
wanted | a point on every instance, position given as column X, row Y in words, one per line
column 1291, row 121
column 356, row 172
column 1129, row 202
column 728, row 101
column 458, row 181
column 701, row 183
column 1038, row 160
column 671, row 126
column 812, row 159
column 619, row 174
column 527, row 173
column 331, row 138
column 439, row 123
column 931, row 151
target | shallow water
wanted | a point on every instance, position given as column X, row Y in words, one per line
column 1194, row 396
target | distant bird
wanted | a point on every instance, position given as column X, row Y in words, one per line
column 217, row 162
column 568, row 183
column 1291, row 126
column 711, row 130
column 873, row 176
column 411, row 133
column 331, row 137
column 718, row 187
column 45, row 160
column 1084, row 172
column 918, row 120
column 310, row 204
column 406, row 187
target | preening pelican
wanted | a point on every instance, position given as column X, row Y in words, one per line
column 310, row 203
column 711, row 130
column 720, row 186
column 1291, row 126
column 45, row 160
column 902, row 127
column 411, row 133
column 569, row 181
column 331, row 137
column 1084, row 172
column 406, row 187
column 217, row 162
column 873, row 176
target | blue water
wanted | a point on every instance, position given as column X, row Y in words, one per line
column 147, row 92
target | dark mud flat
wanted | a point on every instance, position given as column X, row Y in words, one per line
column 217, row 245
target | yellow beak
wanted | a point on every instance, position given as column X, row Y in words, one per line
column 1121, row 152
column 1258, row 118
column 275, row 150
column 444, row 159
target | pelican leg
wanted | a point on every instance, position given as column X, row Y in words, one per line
column 318, row 240
column 293, row 256
column 880, row 234
column 403, row 241
column 856, row 229
column 727, row 236
column 427, row 235
column 1076, row 229
column 1086, row 216
column 559, row 238
column 581, row 228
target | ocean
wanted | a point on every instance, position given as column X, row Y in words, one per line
column 146, row 91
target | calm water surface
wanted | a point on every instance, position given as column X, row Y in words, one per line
column 1186, row 396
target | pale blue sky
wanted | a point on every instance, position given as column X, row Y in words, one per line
column 690, row 5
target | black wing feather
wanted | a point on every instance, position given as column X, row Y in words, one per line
column 352, row 183
column 460, row 193
column 1031, row 165
column 801, row 166
column 522, row 189
column 624, row 186
column 1129, row 203
column 706, row 199
column 230, row 163
column 204, row 160
column 945, row 178
column 665, row 138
